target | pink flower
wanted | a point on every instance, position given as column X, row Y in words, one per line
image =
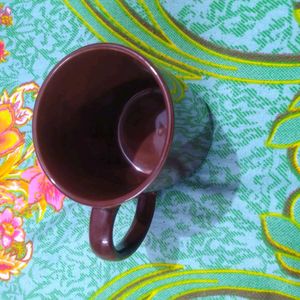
column 20, row 204
column 10, row 228
column 3, row 52
column 6, row 197
column 40, row 188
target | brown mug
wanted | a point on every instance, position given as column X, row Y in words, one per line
column 109, row 126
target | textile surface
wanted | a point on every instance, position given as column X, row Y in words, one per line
column 232, row 230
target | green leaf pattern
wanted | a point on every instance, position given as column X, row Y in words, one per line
column 285, row 132
column 283, row 233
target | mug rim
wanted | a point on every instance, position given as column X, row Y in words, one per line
column 106, row 203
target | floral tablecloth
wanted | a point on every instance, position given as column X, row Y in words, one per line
column 231, row 230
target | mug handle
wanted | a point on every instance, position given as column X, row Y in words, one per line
column 101, row 229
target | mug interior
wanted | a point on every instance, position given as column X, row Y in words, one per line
column 76, row 121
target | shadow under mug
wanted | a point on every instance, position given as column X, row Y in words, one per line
column 109, row 126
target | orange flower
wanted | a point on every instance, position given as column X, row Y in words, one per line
column 10, row 137
column 6, row 20
column 6, row 16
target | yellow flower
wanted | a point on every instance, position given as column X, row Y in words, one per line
column 10, row 265
column 17, row 100
column 10, row 136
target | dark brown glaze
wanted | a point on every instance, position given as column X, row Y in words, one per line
column 101, row 235
column 76, row 118
column 143, row 147
column 75, row 133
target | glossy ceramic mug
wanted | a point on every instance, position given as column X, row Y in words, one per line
column 109, row 126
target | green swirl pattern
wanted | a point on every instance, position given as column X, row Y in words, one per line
column 190, row 57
